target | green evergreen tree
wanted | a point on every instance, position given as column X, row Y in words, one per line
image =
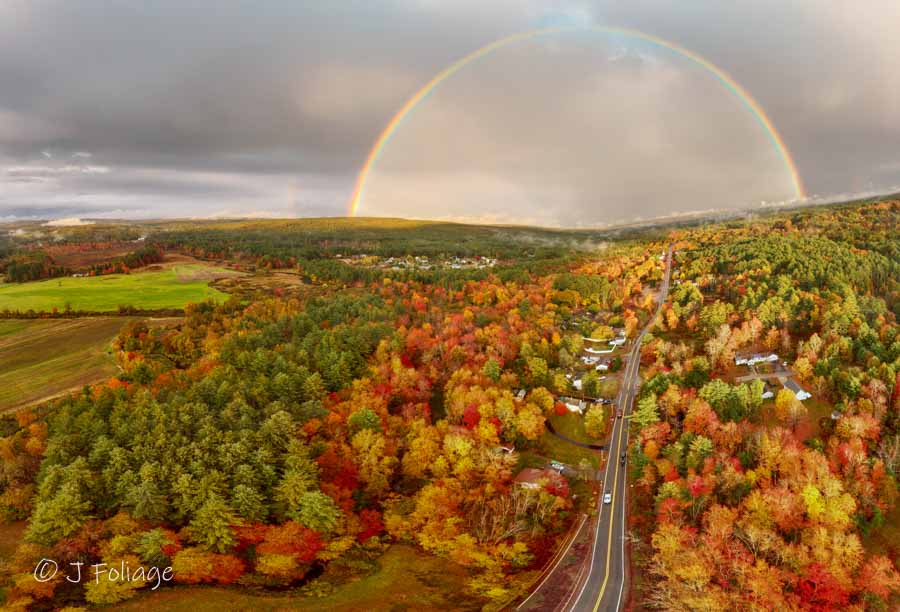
column 212, row 525
column 58, row 517
column 248, row 503
column 364, row 418
column 317, row 511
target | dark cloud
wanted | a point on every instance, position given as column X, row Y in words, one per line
column 195, row 108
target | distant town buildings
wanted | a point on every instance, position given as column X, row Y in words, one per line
column 418, row 262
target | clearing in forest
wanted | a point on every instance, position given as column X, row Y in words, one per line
column 169, row 288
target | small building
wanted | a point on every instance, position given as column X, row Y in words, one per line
column 617, row 341
column 599, row 351
column 755, row 358
column 603, row 364
column 799, row 391
column 574, row 405
column 576, row 408
column 590, row 360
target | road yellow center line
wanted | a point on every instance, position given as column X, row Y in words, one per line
column 612, row 512
column 612, row 505
column 631, row 370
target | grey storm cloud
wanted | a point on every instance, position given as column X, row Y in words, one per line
column 245, row 108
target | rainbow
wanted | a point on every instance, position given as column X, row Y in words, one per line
column 733, row 86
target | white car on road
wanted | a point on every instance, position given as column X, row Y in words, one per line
column 607, row 498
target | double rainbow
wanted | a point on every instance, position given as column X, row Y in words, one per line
column 733, row 86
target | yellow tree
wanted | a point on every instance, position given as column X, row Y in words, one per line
column 595, row 421
column 788, row 408
column 602, row 332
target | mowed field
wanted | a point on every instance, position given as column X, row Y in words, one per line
column 43, row 358
column 406, row 579
column 168, row 288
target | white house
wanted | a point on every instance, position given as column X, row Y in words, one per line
column 799, row 392
column 755, row 358
column 599, row 352
column 575, row 407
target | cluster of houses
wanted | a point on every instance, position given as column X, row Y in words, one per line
column 753, row 359
column 593, row 357
column 600, row 364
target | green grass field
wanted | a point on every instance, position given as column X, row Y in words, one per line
column 572, row 425
column 42, row 358
column 170, row 288
column 406, row 579
column 555, row 448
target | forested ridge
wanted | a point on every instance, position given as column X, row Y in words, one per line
column 260, row 443
column 767, row 505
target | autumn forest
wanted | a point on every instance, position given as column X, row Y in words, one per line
column 359, row 397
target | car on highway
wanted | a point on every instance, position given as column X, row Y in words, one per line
column 622, row 458
column 619, row 413
column 607, row 498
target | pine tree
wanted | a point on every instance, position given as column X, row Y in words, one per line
column 248, row 503
column 59, row 517
column 318, row 512
column 212, row 525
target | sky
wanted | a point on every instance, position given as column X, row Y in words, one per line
column 208, row 109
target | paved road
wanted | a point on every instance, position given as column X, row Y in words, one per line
column 603, row 588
